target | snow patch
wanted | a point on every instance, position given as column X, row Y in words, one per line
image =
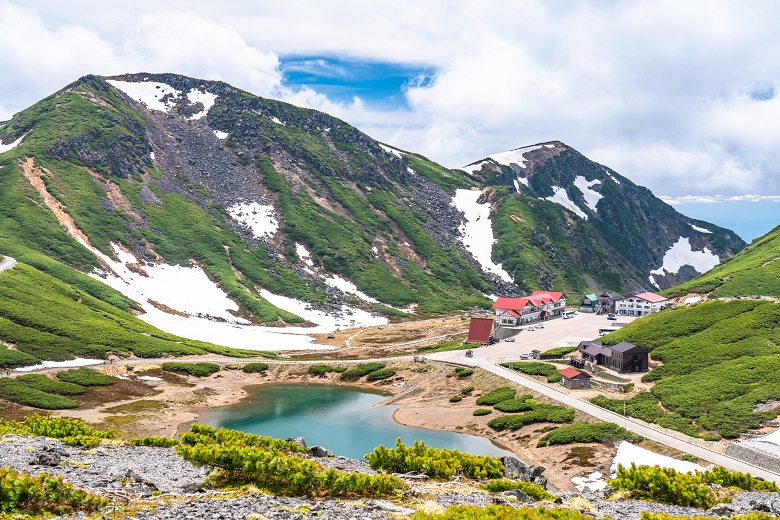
column 592, row 197
column 375, row 250
column 348, row 318
column 78, row 362
column 257, row 217
column 149, row 378
column 691, row 300
column 681, row 253
column 348, row 287
column 652, row 281
column 477, row 232
column 150, row 93
column 561, row 197
column 277, row 121
column 303, row 254
column 151, row 155
column 504, row 158
column 594, row 482
column 220, row 134
column 391, row 150
column 5, row 147
column 700, row 230
column 517, row 186
column 611, row 176
column 208, row 99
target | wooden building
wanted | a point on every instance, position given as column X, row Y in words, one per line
column 573, row 378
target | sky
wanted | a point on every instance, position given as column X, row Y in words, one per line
column 681, row 97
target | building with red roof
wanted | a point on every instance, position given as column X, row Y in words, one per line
column 639, row 304
column 573, row 378
column 540, row 305
column 480, row 331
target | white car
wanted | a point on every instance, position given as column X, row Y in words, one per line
column 527, row 355
column 509, row 339
column 531, row 329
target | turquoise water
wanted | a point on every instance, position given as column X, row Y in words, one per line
column 340, row 418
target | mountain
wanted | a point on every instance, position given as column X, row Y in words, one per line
column 192, row 198
column 754, row 271
column 601, row 223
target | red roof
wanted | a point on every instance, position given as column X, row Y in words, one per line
column 651, row 297
column 570, row 373
column 510, row 303
column 554, row 296
column 513, row 313
column 480, row 330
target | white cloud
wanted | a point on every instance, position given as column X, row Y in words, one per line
column 717, row 199
column 658, row 90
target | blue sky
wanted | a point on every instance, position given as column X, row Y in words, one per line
column 680, row 97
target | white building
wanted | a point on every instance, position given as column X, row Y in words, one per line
column 639, row 304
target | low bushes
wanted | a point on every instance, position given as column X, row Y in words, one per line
column 539, row 414
column 23, row 493
column 378, row 375
column 157, row 442
column 321, row 370
column 85, row 377
column 482, row 411
column 467, row 390
column 520, row 404
column 668, row 486
column 456, row 398
column 557, row 353
column 463, row 373
column 495, row 396
column 193, row 369
column 51, row 386
column 18, row 392
column 534, row 491
column 494, row 512
column 353, row 374
column 581, row 431
column 254, row 368
column 436, row 463
column 533, row 368
column 71, row 431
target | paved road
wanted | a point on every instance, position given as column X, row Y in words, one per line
column 7, row 263
column 681, row 442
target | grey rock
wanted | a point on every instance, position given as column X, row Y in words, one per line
column 300, row 441
column 521, row 496
column 319, row 451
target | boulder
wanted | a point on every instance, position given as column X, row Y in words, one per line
column 319, row 451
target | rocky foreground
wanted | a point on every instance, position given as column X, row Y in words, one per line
column 156, row 483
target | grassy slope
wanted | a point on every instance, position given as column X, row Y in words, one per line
column 720, row 360
column 753, row 271
column 48, row 319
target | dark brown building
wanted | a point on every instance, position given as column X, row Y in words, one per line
column 573, row 378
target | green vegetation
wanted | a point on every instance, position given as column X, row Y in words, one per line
column 557, row 352
column 456, row 398
column 720, row 360
column 534, row 491
column 667, row 486
column 85, row 377
column 51, row 386
column 193, row 369
column 467, row 390
column 646, row 515
column 70, row 431
column 321, row 370
column 535, row 368
column 518, row 404
column 353, row 374
column 482, row 411
column 494, row 512
column 254, row 368
column 444, row 346
column 21, row 493
column 753, row 271
column 157, row 442
column 48, row 319
column 436, row 463
column 18, row 392
column 540, row 413
column 495, row 396
column 377, row 375
column 274, row 466
column 463, row 373
column 581, row 432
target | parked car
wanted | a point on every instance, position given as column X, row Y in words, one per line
column 611, row 316
column 510, row 340
column 531, row 328
column 527, row 355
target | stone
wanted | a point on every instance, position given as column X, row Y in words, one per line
column 300, row 441
column 518, row 495
column 46, row 458
column 319, row 451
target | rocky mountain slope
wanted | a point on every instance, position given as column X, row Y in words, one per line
column 601, row 225
column 283, row 208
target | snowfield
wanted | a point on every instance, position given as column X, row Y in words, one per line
column 208, row 100
column 348, row 287
column 681, row 253
column 561, row 197
column 303, row 254
column 5, row 147
column 592, row 197
column 477, row 232
column 258, row 217
column 150, row 93
column 71, row 363
column 504, row 158
column 350, row 317
column 700, row 230
column 391, row 150
column 221, row 135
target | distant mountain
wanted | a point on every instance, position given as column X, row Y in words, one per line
column 602, row 228
column 754, row 271
column 277, row 214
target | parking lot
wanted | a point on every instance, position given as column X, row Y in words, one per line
column 557, row 332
